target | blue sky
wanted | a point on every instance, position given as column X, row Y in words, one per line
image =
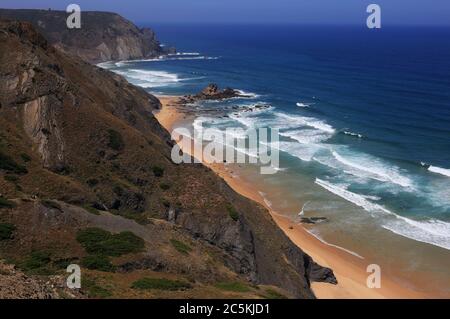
column 403, row 12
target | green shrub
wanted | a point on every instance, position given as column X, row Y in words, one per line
column 158, row 171
column 89, row 238
column 99, row 292
column 93, row 289
column 11, row 178
column 160, row 284
column 63, row 263
column 180, row 246
column 37, row 263
column 6, row 231
column 233, row 286
column 97, row 262
column 4, row 203
column 164, row 186
column 272, row 294
column 123, row 243
column 232, row 213
column 91, row 209
column 100, row 242
column 8, row 164
column 25, row 157
column 115, row 140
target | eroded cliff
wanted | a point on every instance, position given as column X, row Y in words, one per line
column 80, row 148
column 103, row 36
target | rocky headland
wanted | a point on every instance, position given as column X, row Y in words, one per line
column 103, row 36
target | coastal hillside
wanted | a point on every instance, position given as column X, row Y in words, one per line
column 86, row 178
column 103, row 36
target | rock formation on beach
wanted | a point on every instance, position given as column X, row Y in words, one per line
column 212, row 92
column 86, row 177
column 103, row 36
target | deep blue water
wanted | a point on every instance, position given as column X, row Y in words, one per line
column 389, row 86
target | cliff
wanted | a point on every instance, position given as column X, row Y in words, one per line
column 103, row 36
column 86, row 178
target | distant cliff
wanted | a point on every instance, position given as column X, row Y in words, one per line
column 103, row 36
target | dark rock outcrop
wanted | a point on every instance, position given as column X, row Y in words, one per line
column 313, row 220
column 103, row 36
column 212, row 92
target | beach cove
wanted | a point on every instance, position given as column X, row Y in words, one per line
column 349, row 270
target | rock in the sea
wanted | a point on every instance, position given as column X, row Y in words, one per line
column 213, row 92
column 313, row 220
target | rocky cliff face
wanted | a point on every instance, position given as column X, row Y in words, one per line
column 80, row 147
column 103, row 36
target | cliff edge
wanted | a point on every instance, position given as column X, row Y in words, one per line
column 103, row 36
column 86, row 178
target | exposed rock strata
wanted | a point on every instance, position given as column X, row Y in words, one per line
column 103, row 36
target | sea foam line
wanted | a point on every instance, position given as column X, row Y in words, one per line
column 380, row 173
column 323, row 241
column 353, row 134
column 434, row 232
column 439, row 170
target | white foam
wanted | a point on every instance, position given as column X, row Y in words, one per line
column 358, row 200
column 169, row 57
column 151, row 78
column 306, row 121
column 183, row 53
column 305, row 152
column 249, row 118
column 300, row 104
column 375, row 169
column 439, row 170
column 245, row 121
column 434, row 232
column 247, row 94
column 302, row 212
column 306, row 136
column 192, row 58
column 353, row 134
column 266, row 201
column 312, row 232
column 106, row 65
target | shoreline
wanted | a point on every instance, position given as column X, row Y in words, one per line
column 349, row 270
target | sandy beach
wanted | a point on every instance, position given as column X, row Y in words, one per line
column 349, row 270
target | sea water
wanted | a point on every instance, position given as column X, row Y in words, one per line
column 364, row 122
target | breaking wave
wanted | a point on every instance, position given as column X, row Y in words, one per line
column 375, row 168
column 353, row 134
column 432, row 231
column 313, row 233
column 439, row 170
column 300, row 104
column 152, row 79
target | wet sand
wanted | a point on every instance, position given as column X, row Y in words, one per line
column 349, row 270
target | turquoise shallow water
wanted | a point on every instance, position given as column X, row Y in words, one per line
column 364, row 121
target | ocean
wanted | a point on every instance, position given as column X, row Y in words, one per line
column 364, row 120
